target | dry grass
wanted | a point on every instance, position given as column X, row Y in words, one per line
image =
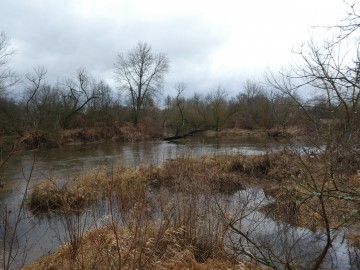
column 285, row 177
column 237, row 132
column 108, row 249
column 148, row 128
column 55, row 195
column 215, row 174
column 201, row 174
column 169, row 221
column 178, row 228
column 299, row 181
column 183, row 232
column 124, row 132
column 133, row 133
column 224, row 174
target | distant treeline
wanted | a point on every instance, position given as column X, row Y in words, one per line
column 43, row 111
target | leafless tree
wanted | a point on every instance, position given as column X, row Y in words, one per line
column 218, row 107
column 333, row 73
column 77, row 93
column 254, row 106
column 180, row 88
column 99, row 110
column 284, row 110
column 252, row 89
column 7, row 76
column 349, row 25
column 36, row 82
column 140, row 74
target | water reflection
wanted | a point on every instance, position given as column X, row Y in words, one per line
column 70, row 160
column 280, row 242
column 47, row 233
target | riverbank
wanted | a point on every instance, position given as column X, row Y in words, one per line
column 281, row 175
column 127, row 132
column 184, row 195
column 159, row 229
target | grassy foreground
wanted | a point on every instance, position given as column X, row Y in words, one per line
column 170, row 216
column 107, row 248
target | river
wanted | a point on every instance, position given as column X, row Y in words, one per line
column 37, row 236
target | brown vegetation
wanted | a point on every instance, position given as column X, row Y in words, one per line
column 214, row 174
column 293, row 179
column 115, row 133
column 56, row 195
column 318, row 190
column 168, row 215
column 105, row 249
column 165, row 208
column 282, row 175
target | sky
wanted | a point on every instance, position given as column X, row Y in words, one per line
column 209, row 43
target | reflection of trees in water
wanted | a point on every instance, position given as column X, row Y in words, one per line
column 260, row 235
column 139, row 153
column 354, row 255
column 276, row 244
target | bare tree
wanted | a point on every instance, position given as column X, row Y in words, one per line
column 333, row 74
column 36, row 82
column 140, row 74
column 99, row 109
column 180, row 88
column 77, row 94
column 201, row 106
column 254, row 106
column 218, row 107
column 349, row 25
column 251, row 91
column 284, row 110
column 7, row 76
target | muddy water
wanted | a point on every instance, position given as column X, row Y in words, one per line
column 72, row 160
column 284, row 242
column 36, row 236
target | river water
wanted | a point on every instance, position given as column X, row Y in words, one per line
column 37, row 236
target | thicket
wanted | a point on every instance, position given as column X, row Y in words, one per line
column 81, row 110
column 314, row 184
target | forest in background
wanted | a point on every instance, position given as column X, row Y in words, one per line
column 82, row 109
column 313, row 186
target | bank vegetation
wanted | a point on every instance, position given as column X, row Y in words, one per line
column 187, row 213
column 292, row 209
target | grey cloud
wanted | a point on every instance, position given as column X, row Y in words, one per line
column 50, row 34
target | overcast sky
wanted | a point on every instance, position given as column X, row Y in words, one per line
column 209, row 43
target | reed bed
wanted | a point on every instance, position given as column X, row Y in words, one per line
column 170, row 215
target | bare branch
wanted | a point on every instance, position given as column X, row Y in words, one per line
column 140, row 75
column 7, row 76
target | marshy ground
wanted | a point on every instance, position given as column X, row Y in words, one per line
column 170, row 216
